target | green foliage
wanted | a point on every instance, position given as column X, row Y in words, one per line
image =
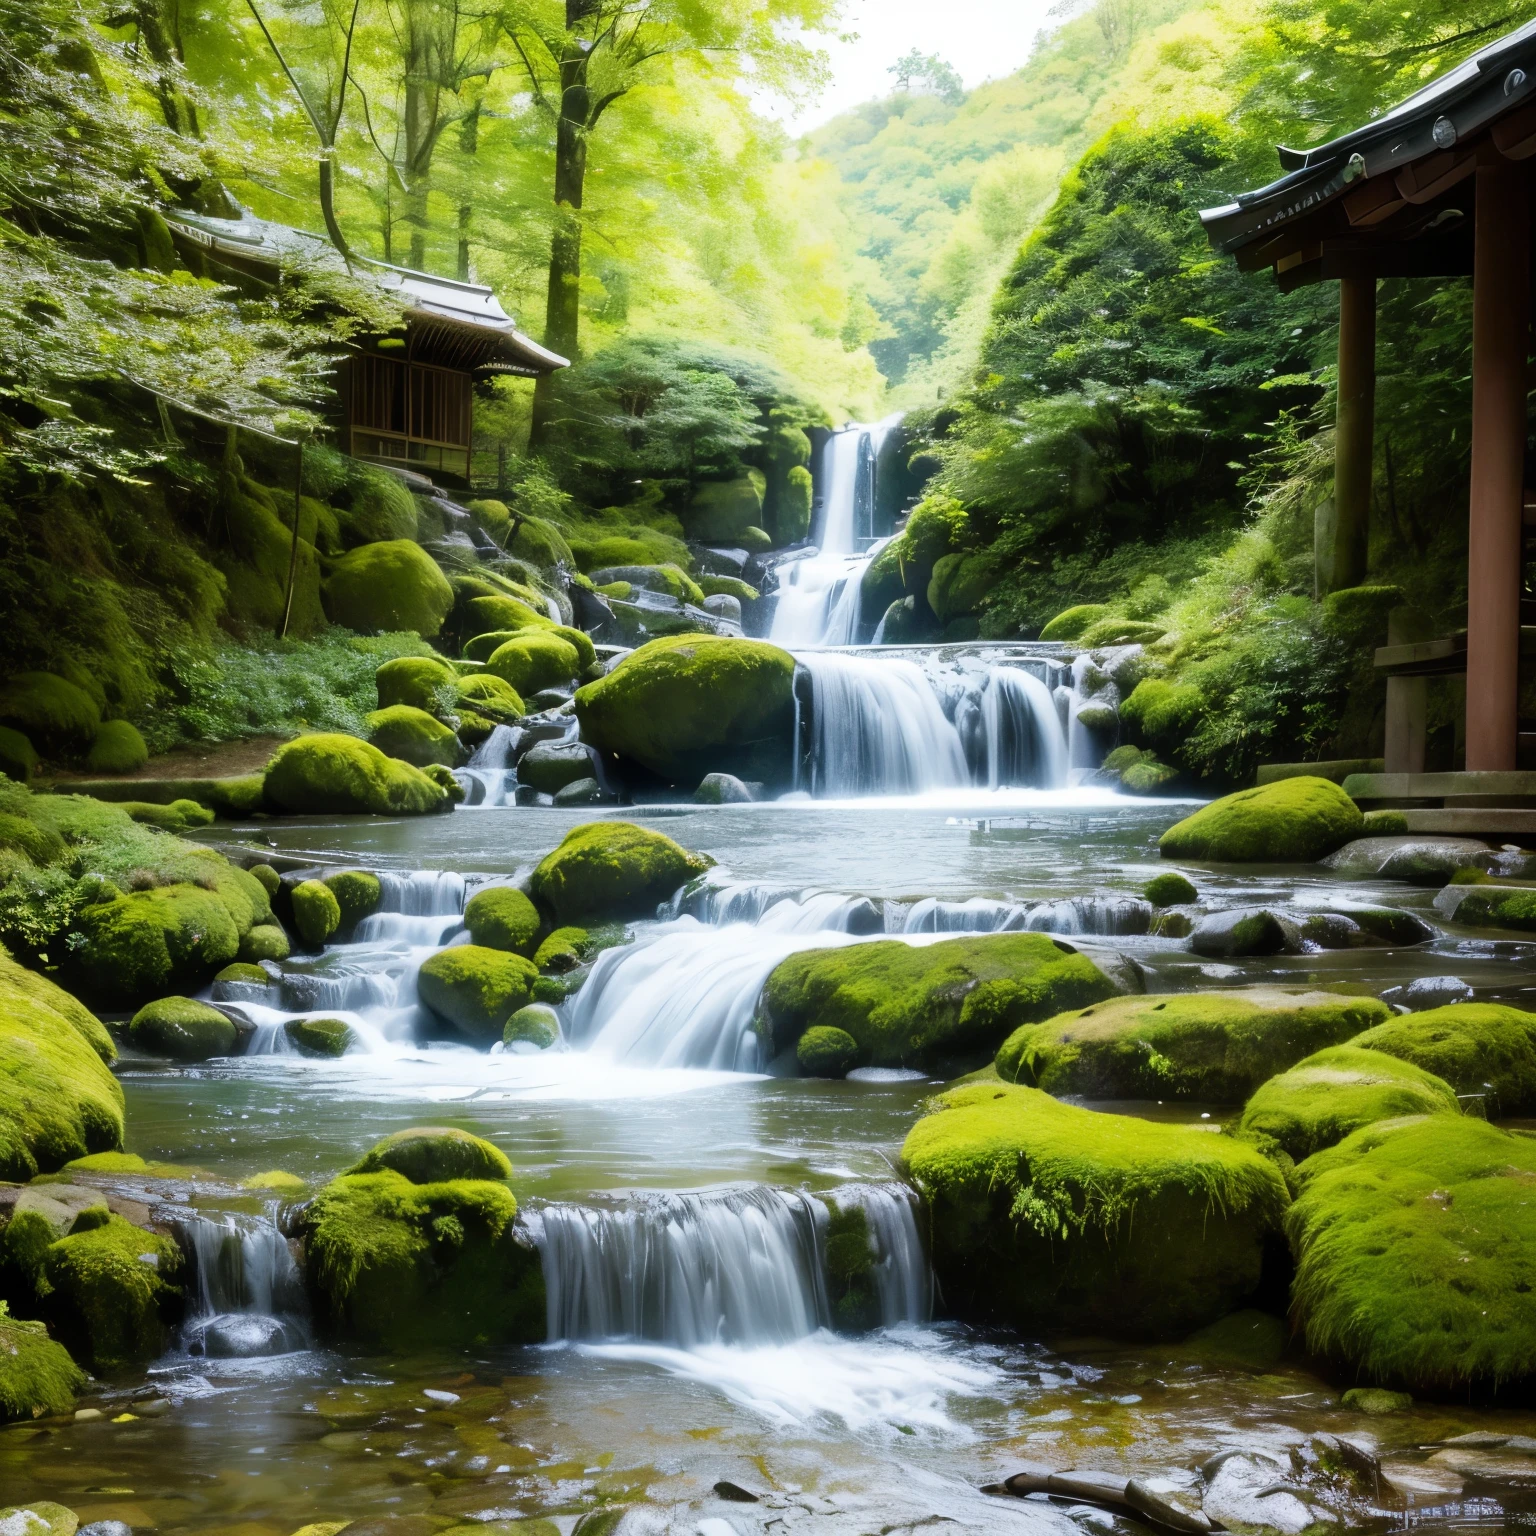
column 612, row 870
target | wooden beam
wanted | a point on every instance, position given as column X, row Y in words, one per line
column 1515, row 136
column 1425, row 180
column 1378, row 199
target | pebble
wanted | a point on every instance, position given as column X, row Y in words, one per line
column 447, row 1399
column 87, row 1415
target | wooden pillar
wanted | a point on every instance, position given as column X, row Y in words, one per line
column 1355, row 435
column 1407, row 717
column 1500, row 344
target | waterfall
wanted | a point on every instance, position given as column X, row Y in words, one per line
column 1024, row 743
column 743, row 1266
column 489, row 778
column 420, row 909
column 1089, row 916
column 249, row 1293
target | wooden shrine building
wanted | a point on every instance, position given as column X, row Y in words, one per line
column 1439, row 186
column 404, row 401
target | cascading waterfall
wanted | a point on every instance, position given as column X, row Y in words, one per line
column 249, row 1297
column 1087, row 916
column 1022, row 729
column 489, row 778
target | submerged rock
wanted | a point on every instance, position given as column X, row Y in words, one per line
column 1425, row 992
column 612, row 869
column 1426, row 861
column 1292, row 821
column 1478, row 1048
column 320, row 1037
column 1245, row 931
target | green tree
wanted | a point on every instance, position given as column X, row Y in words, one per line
column 916, row 71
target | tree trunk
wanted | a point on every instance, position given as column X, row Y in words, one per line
column 469, row 146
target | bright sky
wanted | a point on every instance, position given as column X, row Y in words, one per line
column 983, row 39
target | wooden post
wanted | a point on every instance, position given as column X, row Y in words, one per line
column 1501, row 321
column 1355, row 435
column 1407, row 702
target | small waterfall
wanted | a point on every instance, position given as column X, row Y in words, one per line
column 489, row 778
column 776, row 908
column 1088, row 916
column 978, row 915
column 743, row 1266
column 1022, row 728
column 249, row 1297
column 419, row 909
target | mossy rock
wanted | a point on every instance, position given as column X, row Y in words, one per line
column 922, row 1005
column 118, row 748
column 1170, row 889
column 726, row 586
column 562, row 950
column 960, row 583
column 1485, row 1048
column 179, row 816
column 1147, row 776
column 669, row 579
column 402, row 1266
column 382, row 509
column 430, row 1154
column 478, row 615
column 277, row 1181
column 358, row 893
column 18, row 757
column 183, row 1029
column 110, row 1292
column 58, row 1100
column 41, row 845
column 1212, row 1047
column 148, row 943
column 501, row 917
column 826, row 1051
column 1046, row 1217
column 534, row 659
column 244, row 974
column 687, row 705
column 1098, row 717
column 491, row 696
column 50, row 711
column 722, row 510
column 476, row 989
column 423, row 682
column 329, row 775
column 1415, row 1248
column 1334, row 1092
column 1385, row 824
column 414, row 736
column 266, row 941
column 1292, row 821
column 267, row 878
column 581, row 643
column 1119, row 631
column 1499, row 907
column 316, row 912
column 538, row 1024
column 37, row 1378
column 1164, row 713
column 319, row 1037
column 259, row 557
column 1071, row 622
column 387, row 587
column 612, row 869
column 850, row 1267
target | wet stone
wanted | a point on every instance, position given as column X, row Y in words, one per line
column 1425, row 992
column 1243, row 931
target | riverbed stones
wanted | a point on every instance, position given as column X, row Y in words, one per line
column 1241, row 931
column 920, row 1006
column 1046, row 1217
column 476, row 989
column 1213, row 1047
column 610, row 870
column 1420, row 860
column 335, row 775
column 1415, row 1248
column 548, row 766
column 1486, row 1049
column 580, row 792
column 183, row 1029
column 502, row 917
column 1291, row 821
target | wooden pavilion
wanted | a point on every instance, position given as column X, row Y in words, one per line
column 404, row 401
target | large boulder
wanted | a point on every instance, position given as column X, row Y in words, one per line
column 146, row 944
column 1478, row 1048
column 394, row 585
column 358, row 893
column 1047, row 1217
column 476, row 989
column 1212, row 1047
column 1292, row 821
column 423, row 682
column 183, row 1029
column 410, row 1260
column 909, row 1005
column 429, row 1154
column 687, row 705
column 534, row 659
column 1415, row 1248
column 1332, row 1093
column 51, row 711
column 37, row 1378
column 548, row 766
column 491, row 697
column 329, row 775
column 414, row 736
column 118, row 748
column 612, row 869
column 501, row 917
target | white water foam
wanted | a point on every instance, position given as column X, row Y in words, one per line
column 249, row 1297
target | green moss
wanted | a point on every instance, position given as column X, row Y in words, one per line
column 1484, row 1048
column 612, row 869
column 357, row 893
column 266, row 941
column 183, row 1029
column 42, row 845
column 148, row 943
column 917, row 1006
column 687, row 705
column 491, row 696
column 1499, row 907
column 393, row 585
column 441, row 775
column 850, row 1268
column 725, row 586
column 481, row 614
column 960, row 583
column 1118, row 631
column 252, row 975
column 722, row 509
column 563, row 950
column 337, row 775
column 826, row 1051
column 1415, row 1247
column 256, row 563
column 267, row 878
column 430, row 1154
column 1376, row 1401
column 382, row 509
column 414, row 736
column 1292, row 821
column 581, row 642
column 319, row 1037
column 316, row 912
column 534, row 659
column 124, row 1162
column 1248, row 1340
column 118, row 748
column 1170, row 889
column 501, row 917
column 1164, row 713
column 1384, row 824
column 637, row 546
column 1048, row 1217
column 476, row 989
column 50, row 711
column 1212, row 1047
column 423, row 682
column 1147, row 776
column 1071, row 622
column 278, row 1181
column 18, row 757
column 109, row 1293
column 29, row 986
column 37, row 1378
column 795, row 502
column 178, row 816
column 537, row 1024
column 1334, row 1092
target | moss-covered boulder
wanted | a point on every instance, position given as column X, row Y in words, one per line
column 50, row 711
column 18, row 757
column 1478, row 1048
column 414, row 736
column 58, row 1100
column 687, row 705
column 501, row 917
column 382, row 509
column 1292, row 821
column 383, row 588
column 149, row 943
column 1071, row 622
column 37, row 1378
column 476, row 989
column 1170, row 889
column 612, row 869
column 479, row 615
column 1495, row 906
column 316, row 912
column 1047, row 1217
column 330, row 775
column 959, row 583
column 1415, row 1248
column 490, row 696
column 118, row 748
column 358, row 893
column 826, row 1051
column 319, row 1037
column 423, row 682
column 537, row 1025
column 265, row 941
column 722, row 510
column 430, row 1154
column 1332, row 1093
column 534, row 659
column 562, row 950
column 183, row 1029
column 925, row 1005
column 1212, row 1047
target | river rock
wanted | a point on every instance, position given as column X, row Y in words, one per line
column 581, row 792
column 1292, row 821
column 723, row 606
column 1484, row 1049
column 723, row 789
column 1258, row 1494
column 1418, row 860
column 549, row 766
column 1245, row 931
column 1425, row 992
column 612, row 869
column 1362, row 927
